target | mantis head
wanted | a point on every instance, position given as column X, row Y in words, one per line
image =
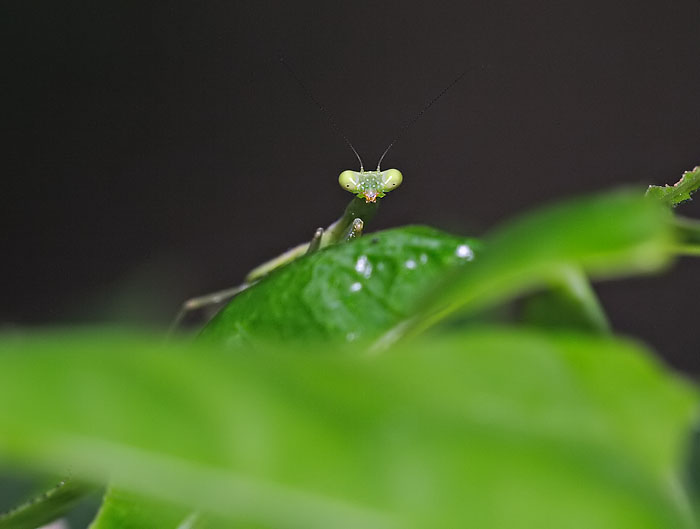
column 370, row 185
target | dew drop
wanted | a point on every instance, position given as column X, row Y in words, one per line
column 363, row 266
column 464, row 252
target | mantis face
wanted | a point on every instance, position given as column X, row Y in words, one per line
column 370, row 185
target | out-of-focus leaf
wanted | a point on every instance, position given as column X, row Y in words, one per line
column 568, row 303
column 47, row 507
column 122, row 509
column 345, row 292
column 678, row 192
column 607, row 235
column 688, row 231
column 494, row 428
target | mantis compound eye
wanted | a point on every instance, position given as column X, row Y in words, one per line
column 348, row 180
column 392, row 179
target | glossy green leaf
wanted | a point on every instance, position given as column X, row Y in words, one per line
column 678, row 192
column 494, row 428
column 345, row 292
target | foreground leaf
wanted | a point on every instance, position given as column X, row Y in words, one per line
column 495, row 428
column 345, row 292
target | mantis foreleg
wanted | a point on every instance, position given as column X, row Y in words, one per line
column 349, row 226
column 357, row 209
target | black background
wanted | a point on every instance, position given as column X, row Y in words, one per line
column 158, row 150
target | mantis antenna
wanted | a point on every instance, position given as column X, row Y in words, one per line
column 335, row 126
column 418, row 116
column 323, row 109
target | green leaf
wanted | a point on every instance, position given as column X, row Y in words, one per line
column 688, row 232
column 126, row 510
column 569, row 303
column 345, row 292
column 46, row 508
column 678, row 192
column 494, row 428
column 603, row 236
column 123, row 509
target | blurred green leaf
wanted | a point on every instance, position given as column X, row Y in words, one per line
column 688, row 232
column 123, row 509
column 47, row 507
column 692, row 470
column 568, row 303
column 494, row 428
column 678, row 192
column 606, row 235
column 347, row 291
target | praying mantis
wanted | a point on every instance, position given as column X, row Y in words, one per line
column 367, row 186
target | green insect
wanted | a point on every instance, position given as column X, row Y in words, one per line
column 367, row 186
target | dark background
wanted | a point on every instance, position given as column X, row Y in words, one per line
column 158, row 150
